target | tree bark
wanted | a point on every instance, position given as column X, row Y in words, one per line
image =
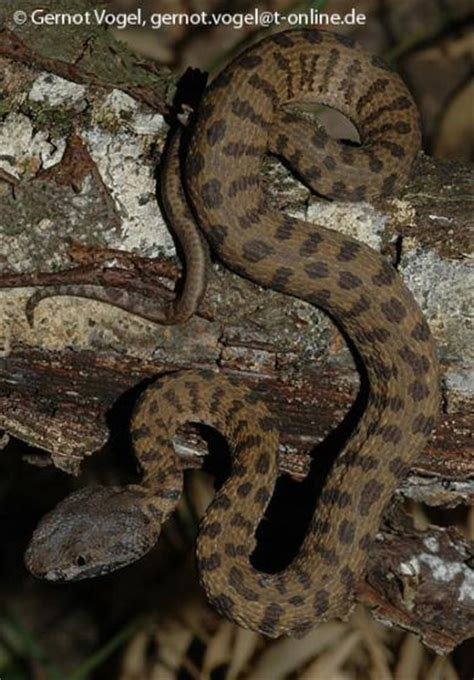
column 77, row 196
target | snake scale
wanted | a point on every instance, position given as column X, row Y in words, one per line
column 241, row 118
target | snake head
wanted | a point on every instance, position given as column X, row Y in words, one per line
column 91, row 532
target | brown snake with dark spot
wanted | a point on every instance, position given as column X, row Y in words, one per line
column 240, row 119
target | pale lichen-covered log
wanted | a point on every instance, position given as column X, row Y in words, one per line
column 78, row 154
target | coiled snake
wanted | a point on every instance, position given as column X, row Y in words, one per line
column 240, row 119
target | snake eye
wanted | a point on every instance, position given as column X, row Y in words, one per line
column 81, row 561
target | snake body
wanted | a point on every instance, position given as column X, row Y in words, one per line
column 242, row 117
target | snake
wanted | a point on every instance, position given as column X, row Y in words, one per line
column 213, row 192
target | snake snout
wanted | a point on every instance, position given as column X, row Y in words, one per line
column 92, row 532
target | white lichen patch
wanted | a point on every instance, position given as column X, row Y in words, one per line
column 129, row 180
column 445, row 572
column 118, row 141
column 144, row 123
column 124, row 112
column 431, row 543
column 441, row 218
column 410, row 568
column 55, row 91
column 461, row 381
column 120, row 103
column 359, row 220
column 441, row 570
column 444, row 289
column 23, row 151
